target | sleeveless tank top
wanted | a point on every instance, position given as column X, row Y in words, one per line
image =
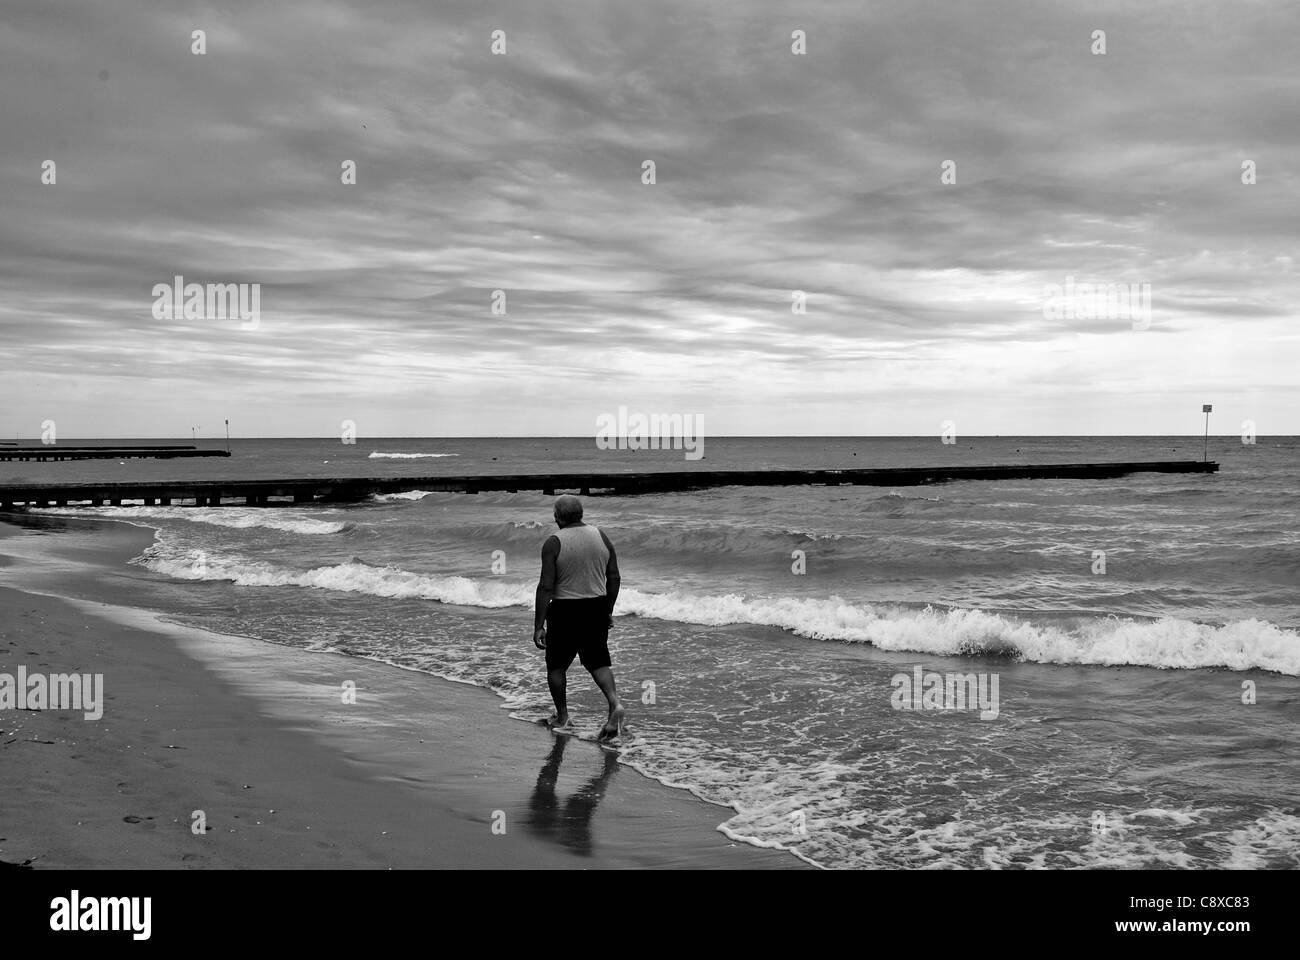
column 580, row 567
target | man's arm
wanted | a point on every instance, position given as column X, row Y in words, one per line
column 612, row 580
column 545, row 587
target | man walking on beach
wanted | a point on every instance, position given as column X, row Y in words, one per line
column 575, row 609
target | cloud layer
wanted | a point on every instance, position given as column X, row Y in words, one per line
column 522, row 172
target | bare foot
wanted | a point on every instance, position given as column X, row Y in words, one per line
column 614, row 725
column 559, row 723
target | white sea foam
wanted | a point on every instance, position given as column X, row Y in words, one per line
column 376, row 455
column 1273, row 840
column 1241, row 645
column 241, row 518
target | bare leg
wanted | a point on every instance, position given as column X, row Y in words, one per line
column 557, row 680
column 604, row 678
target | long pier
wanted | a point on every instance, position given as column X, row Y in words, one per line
column 55, row 452
column 212, row 493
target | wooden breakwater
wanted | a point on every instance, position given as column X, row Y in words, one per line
column 211, row 493
column 47, row 452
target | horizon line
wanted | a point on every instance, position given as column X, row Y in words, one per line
column 737, row 436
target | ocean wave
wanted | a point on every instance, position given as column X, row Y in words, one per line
column 240, row 518
column 1106, row 641
column 405, row 495
column 377, row 455
column 354, row 576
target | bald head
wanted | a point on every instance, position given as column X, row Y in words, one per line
column 568, row 509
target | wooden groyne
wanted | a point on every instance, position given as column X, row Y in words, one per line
column 211, row 493
column 56, row 452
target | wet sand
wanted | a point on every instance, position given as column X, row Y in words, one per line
column 418, row 772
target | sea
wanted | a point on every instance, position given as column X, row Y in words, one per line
column 972, row 674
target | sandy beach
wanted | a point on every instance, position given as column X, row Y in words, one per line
column 419, row 772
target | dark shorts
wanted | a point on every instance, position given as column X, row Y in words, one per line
column 577, row 628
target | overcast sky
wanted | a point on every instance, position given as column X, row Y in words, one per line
column 522, row 172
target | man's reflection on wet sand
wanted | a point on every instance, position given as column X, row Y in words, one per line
column 568, row 823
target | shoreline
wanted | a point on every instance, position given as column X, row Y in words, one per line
column 418, row 772
column 426, row 734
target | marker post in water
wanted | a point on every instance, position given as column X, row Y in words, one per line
column 227, row 436
column 1205, row 409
